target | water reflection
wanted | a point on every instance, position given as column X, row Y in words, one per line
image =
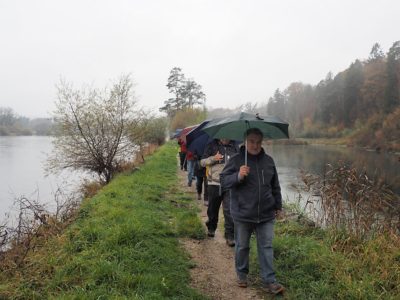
column 313, row 158
column 22, row 171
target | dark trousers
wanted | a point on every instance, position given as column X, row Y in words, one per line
column 200, row 180
column 182, row 159
column 214, row 203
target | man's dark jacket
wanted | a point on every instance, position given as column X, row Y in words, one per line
column 256, row 198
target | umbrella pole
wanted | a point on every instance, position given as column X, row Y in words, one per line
column 245, row 153
column 245, row 143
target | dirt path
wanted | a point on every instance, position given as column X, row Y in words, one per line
column 214, row 274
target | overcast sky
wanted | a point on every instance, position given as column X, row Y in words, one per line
column 239, row 51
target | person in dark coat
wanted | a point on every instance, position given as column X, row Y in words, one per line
column 255, row 202
column 182, row 154
column 200, row 174
column 216, row 155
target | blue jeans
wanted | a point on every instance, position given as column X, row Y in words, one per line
column 190, row 170
column 264, row 235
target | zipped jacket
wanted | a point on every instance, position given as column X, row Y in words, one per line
column 255, row 198
column 213, row 167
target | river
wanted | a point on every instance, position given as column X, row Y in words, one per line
column 289, row 159
column 22, row 172
column 22, row 167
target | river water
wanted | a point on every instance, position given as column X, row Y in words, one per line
column 22, row 170
column 290, row 159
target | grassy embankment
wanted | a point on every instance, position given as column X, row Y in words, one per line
column 124, row 243
column 321, row 264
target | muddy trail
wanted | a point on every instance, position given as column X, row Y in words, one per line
column 214, row 274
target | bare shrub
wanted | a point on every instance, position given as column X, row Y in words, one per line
column 33, row 225
column 93, row 128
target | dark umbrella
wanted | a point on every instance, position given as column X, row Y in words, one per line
column 185, row 131
column 235, row 126
column 197, row 139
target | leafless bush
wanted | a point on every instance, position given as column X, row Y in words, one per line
column 351, row 200
column 33, row 224
column 93, row 128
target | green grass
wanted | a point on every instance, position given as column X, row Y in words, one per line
column 316, row 264
column 124, row 244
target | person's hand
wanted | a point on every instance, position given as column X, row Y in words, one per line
column 218, row 157
column 244, row 171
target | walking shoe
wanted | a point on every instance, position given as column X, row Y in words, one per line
column 198, row 196
column 211, row 233
column 230, row 242
column 242, row 283
column 274, row 288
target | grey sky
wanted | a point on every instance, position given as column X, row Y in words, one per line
column 239, row 51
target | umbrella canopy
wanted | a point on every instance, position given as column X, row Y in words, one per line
column 197, row 139
column 185, row 131
column 235, row 126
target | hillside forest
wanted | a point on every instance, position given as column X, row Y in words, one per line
column 361, row 103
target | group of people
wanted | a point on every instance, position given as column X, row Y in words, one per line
column 245, row 181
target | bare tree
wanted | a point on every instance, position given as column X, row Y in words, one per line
column 92, row 132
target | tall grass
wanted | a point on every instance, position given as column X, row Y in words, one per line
column 349, row 200
column 124, row 243
column 320, row 264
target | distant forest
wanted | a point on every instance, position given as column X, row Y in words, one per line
column 360, row 104
column 12, row 124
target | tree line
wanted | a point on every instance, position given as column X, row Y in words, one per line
column 362, row 101
column 13, row 124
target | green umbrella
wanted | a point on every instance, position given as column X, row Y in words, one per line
column 234, row 127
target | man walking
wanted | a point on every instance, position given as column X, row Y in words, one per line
column 216, row 154
column 255, row 201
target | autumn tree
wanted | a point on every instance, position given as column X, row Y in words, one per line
column 376, row 53
column 276, row 105
column 352, row 98
column 392, row 96
column 300, row 104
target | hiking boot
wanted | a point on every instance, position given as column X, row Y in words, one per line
column 274, row 288
column 211, row 232
column 242, row 283
column 230, row 242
